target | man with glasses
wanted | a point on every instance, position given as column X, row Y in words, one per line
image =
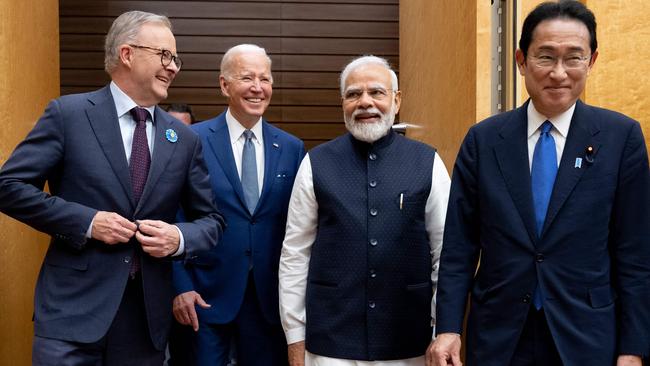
column 554, row 198
column 359, row 261
column 118, row 168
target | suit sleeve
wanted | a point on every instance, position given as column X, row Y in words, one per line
column 37, row 159
column 630, row 243
column 205, row 225
column 460, row 245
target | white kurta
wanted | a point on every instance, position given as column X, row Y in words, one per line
column 302, row 222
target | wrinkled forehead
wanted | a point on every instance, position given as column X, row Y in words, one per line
column 368, row 77
column 156, row 35
column 251, row 62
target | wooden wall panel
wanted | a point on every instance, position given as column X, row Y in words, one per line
column 309, row 42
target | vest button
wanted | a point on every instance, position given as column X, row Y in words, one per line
column 373, row 183
column 539, row 258
column 373, row 212
column 372, row 156
column 373, row 242
column 127, row 259
column 526, row 298
column 373, row 274
column 372, row 304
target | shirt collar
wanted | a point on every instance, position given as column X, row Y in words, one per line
column 561, row 122
column 124, row 103
column 236, row 129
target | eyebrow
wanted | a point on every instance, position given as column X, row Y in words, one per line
column 551, row 48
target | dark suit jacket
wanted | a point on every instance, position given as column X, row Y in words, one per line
column 220, row 276
column 77, row 148
column 592, row 260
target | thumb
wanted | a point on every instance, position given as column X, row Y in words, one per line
column 455, row 360
column 199, row 301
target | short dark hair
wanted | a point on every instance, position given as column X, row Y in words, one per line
column 181, row 108
column 565, row 9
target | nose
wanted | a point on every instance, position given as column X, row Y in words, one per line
column 558, row 70
column 173, row 68
column 365, row 100
column 256, row 85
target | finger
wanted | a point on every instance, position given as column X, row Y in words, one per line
column 194, row 320
column 455, row 359
column 199, row 300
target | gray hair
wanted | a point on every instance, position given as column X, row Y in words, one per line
column 228, row 57
column 367, row 60
column 125, row 29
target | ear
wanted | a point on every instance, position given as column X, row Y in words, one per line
column 126, row 55
column 223, row 83
column 398, row 100
column 594, row 56
column 521, row 61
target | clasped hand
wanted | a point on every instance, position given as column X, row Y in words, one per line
column 157, row 238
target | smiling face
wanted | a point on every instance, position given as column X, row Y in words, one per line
column 554, row 89
column 369, row 103
column 248, row 85
column 147, row 80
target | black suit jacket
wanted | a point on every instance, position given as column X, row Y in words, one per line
column 592, row 259
column 76, row 147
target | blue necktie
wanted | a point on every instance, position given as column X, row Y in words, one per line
column 543, row 172
column 249, row 172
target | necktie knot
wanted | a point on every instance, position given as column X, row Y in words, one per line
column 139, row 114
column 546, row 127
column 248, row 134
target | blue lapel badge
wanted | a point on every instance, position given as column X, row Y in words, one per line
column 578, row 163
column 171, row 135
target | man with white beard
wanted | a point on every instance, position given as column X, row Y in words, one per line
column 359, row 262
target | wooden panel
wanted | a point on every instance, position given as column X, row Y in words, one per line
column 309, row 43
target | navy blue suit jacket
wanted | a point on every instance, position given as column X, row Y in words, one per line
column 76, row 147
column 592, row 260
column 220, row 275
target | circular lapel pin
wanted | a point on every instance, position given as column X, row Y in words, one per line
column 171, row 135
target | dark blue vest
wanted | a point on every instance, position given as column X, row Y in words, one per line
column 369, row 287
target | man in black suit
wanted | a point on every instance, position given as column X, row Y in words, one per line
column 118, row 168
column 554, row 197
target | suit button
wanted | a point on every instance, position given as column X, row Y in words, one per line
column 127, row 259
column 373, row 212
column 373, row 274
column 526, row 299
column 372, row 156
column 373, row 242
column 371, row 304
column 539, row 257
column 373, row 183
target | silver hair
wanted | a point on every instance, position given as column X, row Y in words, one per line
column 363, row 61
column 124, row 30
column 229, row 56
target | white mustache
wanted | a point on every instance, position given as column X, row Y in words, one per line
column 372, row 110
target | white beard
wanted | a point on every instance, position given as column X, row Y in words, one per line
column 370, row 132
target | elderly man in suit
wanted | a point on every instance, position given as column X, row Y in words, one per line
column 252, row 165
column 554, row 197
column 118, row 167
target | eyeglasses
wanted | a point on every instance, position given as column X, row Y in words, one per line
column 570, row 62
column 166, row 56
column 374, row 93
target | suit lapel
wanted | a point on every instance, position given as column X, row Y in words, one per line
column 163, row 150
column 221, row 147
column 579, row 138
column 105, row 124
column 512, row 157
column 272, row 152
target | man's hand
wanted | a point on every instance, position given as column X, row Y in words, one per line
column 111, row 228
column 297, row 354
column 158, row 238
column 629, row 360
column 184, row 310
column 444, row 351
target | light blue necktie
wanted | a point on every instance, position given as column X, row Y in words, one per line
column 543, row 172
column 249, row 172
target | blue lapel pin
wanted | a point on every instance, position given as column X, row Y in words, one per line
column 171, row 135
column 578, row 163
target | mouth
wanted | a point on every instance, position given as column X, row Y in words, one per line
column 367, row 117
column 163, row 79
column 254, row 100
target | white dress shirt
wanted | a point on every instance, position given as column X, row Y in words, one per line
column 123, row 106
column 560, row 130
column 302, row 222
column 237, row 140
